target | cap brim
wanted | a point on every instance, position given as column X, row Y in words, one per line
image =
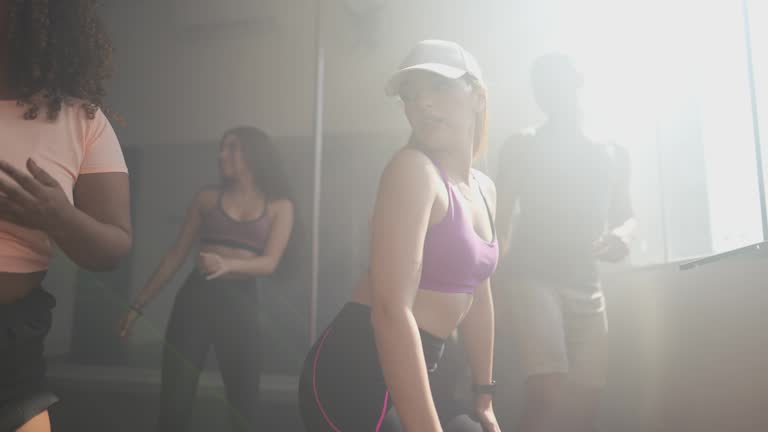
column 393, row 85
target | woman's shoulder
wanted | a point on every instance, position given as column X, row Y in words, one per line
column 412, row 165
column 280, row 206
column 207, row 197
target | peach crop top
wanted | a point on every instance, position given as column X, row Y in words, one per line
column 67, row 147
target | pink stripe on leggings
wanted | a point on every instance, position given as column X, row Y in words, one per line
column 317, row 396
column 383, row 411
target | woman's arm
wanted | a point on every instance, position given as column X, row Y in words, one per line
column 99, row 233
column 477, row 327
column 400, row 221
column 177, row 254
column 477, row 333
column 266, row 264
column 95, row 232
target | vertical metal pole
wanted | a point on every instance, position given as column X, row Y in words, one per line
column 318, row 171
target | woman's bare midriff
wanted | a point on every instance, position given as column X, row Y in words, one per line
column 15, row 286
column 435, row 312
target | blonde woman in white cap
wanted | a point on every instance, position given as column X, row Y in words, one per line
column 433, row 250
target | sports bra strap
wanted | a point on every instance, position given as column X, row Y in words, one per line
column 487, row 208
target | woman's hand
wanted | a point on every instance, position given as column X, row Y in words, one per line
column 212, row 266
column 33, row 200
column 126, row 324
column 485, row 414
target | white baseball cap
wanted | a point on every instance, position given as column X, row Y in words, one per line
column 445, row 58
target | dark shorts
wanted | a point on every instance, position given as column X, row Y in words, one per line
column 23, row 389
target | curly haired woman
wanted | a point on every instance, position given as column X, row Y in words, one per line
column 63, row 181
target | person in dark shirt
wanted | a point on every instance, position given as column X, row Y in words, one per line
column 564, row 205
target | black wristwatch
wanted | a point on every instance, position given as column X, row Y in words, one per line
column 490, row 389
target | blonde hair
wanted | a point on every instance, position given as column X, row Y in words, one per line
column 480, row 144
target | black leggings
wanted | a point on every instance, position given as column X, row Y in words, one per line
column 342, row 387
column 222, row 314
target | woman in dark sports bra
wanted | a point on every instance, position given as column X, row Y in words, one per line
column 433, row 250
column 243, row 226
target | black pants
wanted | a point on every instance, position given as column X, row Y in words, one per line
column 222, row 314
column 23, row 390
column 342, row 387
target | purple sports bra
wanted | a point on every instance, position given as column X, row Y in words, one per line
column 455, row 258
column 217, row 227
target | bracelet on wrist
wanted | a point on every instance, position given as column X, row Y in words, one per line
column 482, row 389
